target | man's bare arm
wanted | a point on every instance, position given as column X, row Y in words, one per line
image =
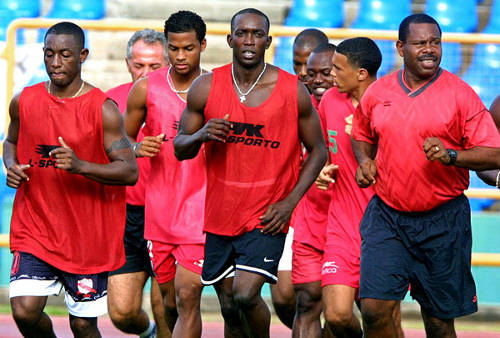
column 15, row 172
column 192, row 130
column 122, row 169
column 490, row 176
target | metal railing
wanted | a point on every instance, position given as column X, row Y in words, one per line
column 478, row 259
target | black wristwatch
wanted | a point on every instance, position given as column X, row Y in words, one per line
column 453, row 156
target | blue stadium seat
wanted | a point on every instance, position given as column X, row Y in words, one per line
column 15, row 9
column 283, row 54
column 484, row 81
column 316, row 13
column 381, row 14
column 78, row 9
column 452, row 16
column 451, row 58
column 307, row 13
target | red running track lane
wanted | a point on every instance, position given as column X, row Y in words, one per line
column 8, row 329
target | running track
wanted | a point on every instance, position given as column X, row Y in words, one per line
column 210, row 330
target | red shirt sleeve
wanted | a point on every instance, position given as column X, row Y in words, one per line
column 361, row 124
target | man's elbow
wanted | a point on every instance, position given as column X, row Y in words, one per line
column 132, row 175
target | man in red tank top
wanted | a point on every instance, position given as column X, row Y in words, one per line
column 282, row 293
column 66, row 152
column 146, row 52
column 175, row 198
column 251, row 118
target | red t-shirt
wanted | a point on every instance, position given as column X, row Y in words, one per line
column 310, row 217
column 399, row 120
column 260, row 162
column 68, row 221
column 348, row 201
column 175, row 190
column 135, row 194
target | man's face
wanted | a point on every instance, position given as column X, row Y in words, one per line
column 300, row 56
column 422, row 50
column 319, row 66
column 63, row 58
column 345, row 76
column 184, row 52
column 145, row 58
column 249, row 39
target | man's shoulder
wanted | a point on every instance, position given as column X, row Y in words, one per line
column 123, row 88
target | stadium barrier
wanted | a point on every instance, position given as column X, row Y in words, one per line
column 478, row 259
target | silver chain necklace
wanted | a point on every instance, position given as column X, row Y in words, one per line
column 243, row 96
column 171, row 83
column 69, row 97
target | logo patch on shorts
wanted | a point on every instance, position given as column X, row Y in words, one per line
column 329, row 267
column 267, row 260
column 474, row 300
column 15, row 264
column 199, row 263
column 85, row 288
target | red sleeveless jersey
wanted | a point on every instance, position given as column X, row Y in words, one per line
column 260, row 162
column 135, row 194
column 67, row 220
column 175, row 190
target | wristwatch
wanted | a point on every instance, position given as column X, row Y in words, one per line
column 453, row 156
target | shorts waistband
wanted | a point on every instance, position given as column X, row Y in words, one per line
column 443, row 208
column 131, row 207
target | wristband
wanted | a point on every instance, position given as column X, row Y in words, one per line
column 498, row 179
column 453, row 156
column 135, row 148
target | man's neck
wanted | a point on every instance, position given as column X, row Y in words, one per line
column 182, row 80
column 247, row 75
column 358, row 93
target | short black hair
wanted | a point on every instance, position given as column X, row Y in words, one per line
column 250, row 11
column 185, row 21
column 404, row 26
column 312, row 37
column 361, row 53
column 69, row 28
column 325, row 47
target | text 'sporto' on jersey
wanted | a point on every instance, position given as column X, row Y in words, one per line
column 67, row 220
column 260, row 162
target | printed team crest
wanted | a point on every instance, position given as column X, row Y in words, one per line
column 85, row 287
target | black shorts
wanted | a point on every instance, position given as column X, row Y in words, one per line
column 429, row 250
column 136, row 249
column 252, row 251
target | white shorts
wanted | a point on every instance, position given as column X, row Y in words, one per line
column 32, row 287
column 286, row 259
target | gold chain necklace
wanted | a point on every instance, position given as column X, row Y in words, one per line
column 69, row 97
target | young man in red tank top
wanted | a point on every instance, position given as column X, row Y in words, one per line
column 251, row 118
column 65, row 152
column 146, row 52
column 174, row 203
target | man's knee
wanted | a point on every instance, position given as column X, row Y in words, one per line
column 306, row 302
column 376, row 312
column 82, row 327
column 436, row 327
column 188, row 296
column 246, row 299
column 24, row 312
column 337, row 318
column 123, row 316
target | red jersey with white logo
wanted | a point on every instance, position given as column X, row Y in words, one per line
column 260, row 162
column 68, row 221
column 175, row 190
column 348, row 201
column 399, row 120
column 135, row 194
column 310, row 217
